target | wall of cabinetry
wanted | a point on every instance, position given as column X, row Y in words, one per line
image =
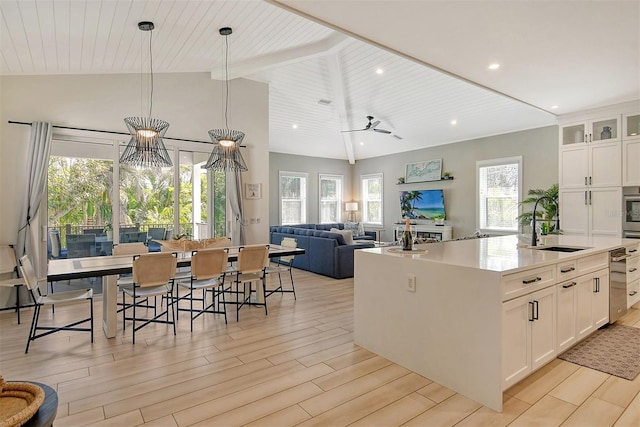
column 597, row 156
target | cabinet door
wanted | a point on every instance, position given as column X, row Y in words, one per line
column 605, row 211
column 600, row 295
column 606, row 164
column 630, row 162
column 567, row 312
column 573, row 133
column 543, row 327
column 574, row 211
column 584, row 319
column 574, row 166
column 516, row 350
column 605, row 129
column 630, row 125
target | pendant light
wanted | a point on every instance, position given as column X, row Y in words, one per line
column 226, row 142
column 146, row 149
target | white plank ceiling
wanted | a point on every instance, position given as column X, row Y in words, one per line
column 305, row 61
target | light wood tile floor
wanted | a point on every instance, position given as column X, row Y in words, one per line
column 296, row 366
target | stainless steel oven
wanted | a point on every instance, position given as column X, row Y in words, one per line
column 631, row 209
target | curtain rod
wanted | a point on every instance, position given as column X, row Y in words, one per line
column 113, row 132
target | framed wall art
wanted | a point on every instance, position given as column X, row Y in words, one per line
column 253, row 191
column 428, row 170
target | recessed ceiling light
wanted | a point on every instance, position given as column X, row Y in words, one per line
column 379, row 71
column 494, row 66
column 361, row 143
column 294, row 126
column 553, row 107
column 454, row 121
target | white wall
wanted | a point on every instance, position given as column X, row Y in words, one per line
column 190, row 102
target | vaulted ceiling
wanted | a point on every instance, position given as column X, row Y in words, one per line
column 415, row 66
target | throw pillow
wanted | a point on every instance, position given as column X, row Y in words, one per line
column 357, row 228
column 347, row 234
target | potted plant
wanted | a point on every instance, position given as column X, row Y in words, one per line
column 438, row 219
column 401, row 180
column 108, row 230
column 547, row 207
column 447, row 175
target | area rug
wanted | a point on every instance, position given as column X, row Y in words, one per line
column 614, row 349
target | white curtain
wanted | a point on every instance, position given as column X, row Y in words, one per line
column 234, row 197
column 36, row 179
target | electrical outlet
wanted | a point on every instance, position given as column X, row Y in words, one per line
column 411, row 283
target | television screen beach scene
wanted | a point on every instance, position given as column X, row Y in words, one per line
column 422, row 204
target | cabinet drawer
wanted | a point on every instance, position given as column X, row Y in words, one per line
column 524, row 282
column 633, row 268
column 592, row 263
column 567, row 270
column 633, row 250
column 633, row 293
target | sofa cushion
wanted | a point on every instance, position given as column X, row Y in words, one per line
column 339, row 238
column 347, row 234
column 303, row 231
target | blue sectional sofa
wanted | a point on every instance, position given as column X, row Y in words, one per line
column 326, row 253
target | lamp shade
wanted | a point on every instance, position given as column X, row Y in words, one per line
column 351, row 206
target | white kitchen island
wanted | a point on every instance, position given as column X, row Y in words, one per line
column 484, row 313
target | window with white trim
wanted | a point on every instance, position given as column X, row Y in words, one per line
column 372, row 201
column 330, row 198
column 499, row 190
column 293, row 197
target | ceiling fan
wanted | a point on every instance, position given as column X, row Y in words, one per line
column 371, row 126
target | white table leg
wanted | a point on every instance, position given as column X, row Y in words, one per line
column 109, row 305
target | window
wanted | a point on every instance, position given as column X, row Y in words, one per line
column 499, row 189
column 371, row 192
column 293, row 198
column 330, row 198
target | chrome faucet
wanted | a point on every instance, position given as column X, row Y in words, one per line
column 534, row 237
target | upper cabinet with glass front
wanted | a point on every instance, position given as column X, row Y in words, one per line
column 606, row 129
column 631, row 125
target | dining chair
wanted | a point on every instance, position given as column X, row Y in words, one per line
column 207, row 274
column 284, row 264
column 55, row 247
column 153, row 275
column 126, row 280
column 9, row 272
column 69, row 297
column 81, row 245
column 250, row 268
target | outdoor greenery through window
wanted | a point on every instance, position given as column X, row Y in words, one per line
column 499, row 189
column 330, row 198
column 371, row 191
column 293, row 197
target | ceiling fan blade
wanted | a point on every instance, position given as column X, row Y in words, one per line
column 374, row 124
column 353, row 130
column 382, row 130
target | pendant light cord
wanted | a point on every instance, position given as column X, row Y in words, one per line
column 226, row 81
column 151, row 69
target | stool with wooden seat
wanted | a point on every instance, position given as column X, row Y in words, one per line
column 207, row 274
column 39, row 300
column 153, row 275
column 252, row 261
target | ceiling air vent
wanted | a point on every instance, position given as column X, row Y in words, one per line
column 324, row 101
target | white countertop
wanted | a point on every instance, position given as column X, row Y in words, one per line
column 507, row 254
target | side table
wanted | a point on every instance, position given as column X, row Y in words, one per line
column 47, row 411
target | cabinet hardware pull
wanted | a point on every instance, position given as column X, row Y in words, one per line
column 531, row 319
column 566, row 270
column 590, row 138
column 632, row 293
column 530, row 281
column 586, row 138
column 535, row 316
column 596, row 281
column 569, row 285
column 585, row 197
column 589, row 180
column 632, row 251
column 619, row 258
column 631, row 270
column 585, row 180
column 590, row 197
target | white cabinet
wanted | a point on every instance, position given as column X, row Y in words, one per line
column 591, row 211
column 567, row 313
column 529, row 334
column 592, row 302
column 587, row 131
column 631, row 149
column 632, row 275
column 590, row 165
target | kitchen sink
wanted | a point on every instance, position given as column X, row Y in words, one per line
column 560, row 248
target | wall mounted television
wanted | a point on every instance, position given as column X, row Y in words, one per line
column 422, row 204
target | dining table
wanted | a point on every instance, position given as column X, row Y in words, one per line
column 109, row 267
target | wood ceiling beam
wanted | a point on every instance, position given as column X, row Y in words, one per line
column 336, row 79
column 327, row 46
